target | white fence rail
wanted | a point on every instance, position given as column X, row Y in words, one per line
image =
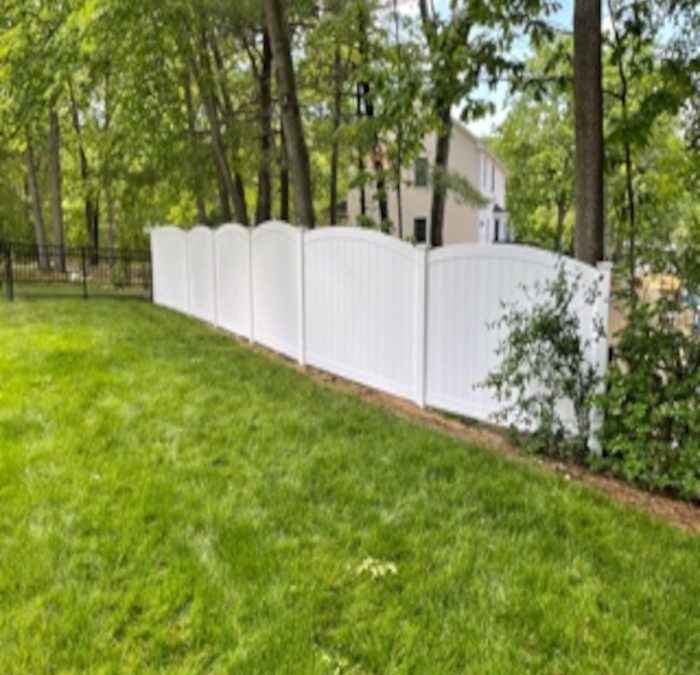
column 365, row 306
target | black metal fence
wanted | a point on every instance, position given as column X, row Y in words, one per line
column 28, row 270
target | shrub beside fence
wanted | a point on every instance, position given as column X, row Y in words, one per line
column 362, row 305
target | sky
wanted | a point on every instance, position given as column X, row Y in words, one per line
column 562, row 19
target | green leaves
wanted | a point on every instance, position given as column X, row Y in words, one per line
column 544, row 362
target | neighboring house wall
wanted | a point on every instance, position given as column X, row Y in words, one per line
column 469, row 158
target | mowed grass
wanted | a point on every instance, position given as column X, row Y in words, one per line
column 173, row 502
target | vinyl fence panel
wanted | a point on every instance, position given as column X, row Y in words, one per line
column 233, row 293
column 467, row 286
column 169, row 262
column 277, row 292
column 201, row 273
column 415, row 323
column 361, row 307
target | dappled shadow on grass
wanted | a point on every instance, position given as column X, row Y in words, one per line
column 174, row 501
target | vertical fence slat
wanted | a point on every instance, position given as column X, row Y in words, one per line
column 420, row 337
column 302, row 301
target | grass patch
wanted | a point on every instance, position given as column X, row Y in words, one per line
column 173, row 502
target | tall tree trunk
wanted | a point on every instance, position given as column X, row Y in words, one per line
column 91, row 204
column 192, row 132
column 335, row 145
column 207, row 41
column 360, row 155
column 442, row 158
column 442, row 147
column 56, row 192
column 264, row 205
column 399, row 127
column 284, row 179
column 203, row 78
column 588, row 112
column 35, row 197
column 297, row 151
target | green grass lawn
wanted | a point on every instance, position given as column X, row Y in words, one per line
column 172, row 502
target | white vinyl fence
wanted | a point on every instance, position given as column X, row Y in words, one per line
column 360, row 304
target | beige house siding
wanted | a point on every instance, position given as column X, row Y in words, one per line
column 463, row 222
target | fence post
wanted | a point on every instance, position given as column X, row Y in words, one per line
column 302, row 300
column 251, row 295
column 215, row 275
column 83, row 255
column 9, row 281
column 420, row 328
column 599, row 346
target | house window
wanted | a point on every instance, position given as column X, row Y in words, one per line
column 493, row 177
column 497, row 231
column 420, row 178
column 420, row 225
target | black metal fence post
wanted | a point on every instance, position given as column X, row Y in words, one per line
column 83, row 255
column 9, row 281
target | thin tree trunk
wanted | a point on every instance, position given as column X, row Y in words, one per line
column 192, row 131
column 111, row 222
column 297, row 151
column 56, row 192
column 360, row 158
column 91, row 204
column 442, row 146
column 108, row 180
column 378, row 164
column 442, row 158
column 399, row 129
column 203, row 83
column 284, row 179
column 35, row 197
column 224, row 202
column 588, row 112
column 629, row 186
column 264, row 205
column 335, row 146
column 208, row 40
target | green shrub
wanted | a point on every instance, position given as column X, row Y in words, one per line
column 544, row 362
column 651, row 433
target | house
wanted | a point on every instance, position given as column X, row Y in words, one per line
column 471, row 159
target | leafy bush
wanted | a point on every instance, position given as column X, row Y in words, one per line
column 544, row 362
column 651, row 433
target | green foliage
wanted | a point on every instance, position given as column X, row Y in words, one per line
column 173, row 502
column 544, row 362
column 651, row 433
column 536, row 140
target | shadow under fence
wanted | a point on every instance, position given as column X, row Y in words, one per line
column 29, row 270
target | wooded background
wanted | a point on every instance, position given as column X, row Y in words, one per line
column 118, row 115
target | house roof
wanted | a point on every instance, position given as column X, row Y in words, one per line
column 458, row 124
